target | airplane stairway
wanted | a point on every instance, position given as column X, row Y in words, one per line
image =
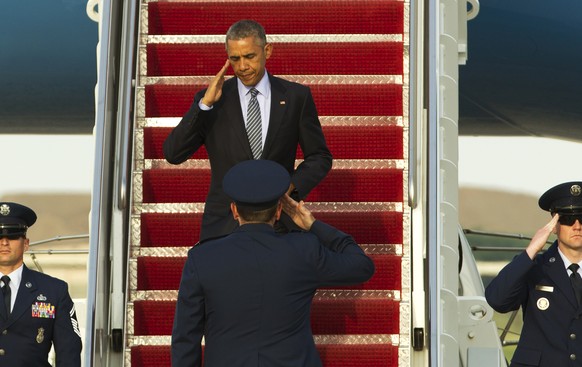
column 353, row 55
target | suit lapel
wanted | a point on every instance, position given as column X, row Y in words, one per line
column 278, row 108
column 24, row 297
column 556, row 270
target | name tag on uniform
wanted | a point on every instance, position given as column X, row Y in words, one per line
column 43, row 310
column 544, row 288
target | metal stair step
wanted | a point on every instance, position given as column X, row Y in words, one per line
column 278, row 17
column 338, row 316
column 366, row 224
column 372, row 58
column 352, row 142
column 164, row 273
column 332, row 355
column 346, row 185
column 168, row 100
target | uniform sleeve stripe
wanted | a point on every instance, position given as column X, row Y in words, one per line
column 74, row 322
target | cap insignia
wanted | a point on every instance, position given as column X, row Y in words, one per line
column 575, row 190
column 4, row 209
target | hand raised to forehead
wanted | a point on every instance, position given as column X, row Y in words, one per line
column 214, row 91
column 540, row 239
column 298, row 212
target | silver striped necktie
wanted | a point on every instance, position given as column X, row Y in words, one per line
column 254, row 126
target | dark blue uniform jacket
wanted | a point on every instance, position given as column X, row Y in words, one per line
column 249, row 294
column 43, row 315
column 552, row 319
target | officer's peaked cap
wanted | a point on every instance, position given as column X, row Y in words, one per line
column 15, row 218
column 257, row 184
column 563, row 198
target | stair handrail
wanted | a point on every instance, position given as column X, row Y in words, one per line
column 59, row 238
column 505, row 329
column 33, row 253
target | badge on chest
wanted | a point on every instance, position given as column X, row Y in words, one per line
column 543, row 303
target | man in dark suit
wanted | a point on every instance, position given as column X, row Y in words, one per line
column 222, row 120
column 547, row 285
column 249, row 293
column 36, row 310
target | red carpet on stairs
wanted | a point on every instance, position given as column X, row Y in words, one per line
column 353, row 55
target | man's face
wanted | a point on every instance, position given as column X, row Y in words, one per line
column 12, row 252
column 570, row 236
column 248, row 58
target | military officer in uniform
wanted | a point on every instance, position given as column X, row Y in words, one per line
column 249, row 293
column 36, row 310
column 547, row 285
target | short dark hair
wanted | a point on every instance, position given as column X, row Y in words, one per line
column 249, row 214
column 246, row 28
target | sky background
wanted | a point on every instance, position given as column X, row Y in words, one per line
column 61, row 164
column 46, row 164
column 525, row 165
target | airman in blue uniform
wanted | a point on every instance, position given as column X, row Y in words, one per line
column 249, row 293
column 36, row 310
column 546, row 285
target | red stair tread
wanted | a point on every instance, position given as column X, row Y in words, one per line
column 355, row 316
column 340, row 185
column 164, row 273
column 175, row 185
column 151, row 355
column 337, row 316
column 383, row 58
column 170, row 100
column 358, row 355
column 366, row 227
column 332, row 355
column 364, row 142
column 344, row 142
column 291, row 17
column 159, row 273
column 359, row 185
column 182, row 229
column 153, row 144
column 170, row 229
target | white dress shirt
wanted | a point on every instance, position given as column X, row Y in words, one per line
column 15, row 278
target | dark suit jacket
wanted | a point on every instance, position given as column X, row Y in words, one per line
column 250, row 294
column 26, row 338
column 293, row 120
column 552, row 323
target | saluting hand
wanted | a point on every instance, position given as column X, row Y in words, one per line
column 540, row 239
column 214, row 91
column 298, row 212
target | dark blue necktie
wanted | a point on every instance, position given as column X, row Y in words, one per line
column 6, row 292
column 576, row 281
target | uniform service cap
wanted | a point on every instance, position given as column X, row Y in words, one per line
column 563, row 198
column 257, row 184
column 15, row 218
